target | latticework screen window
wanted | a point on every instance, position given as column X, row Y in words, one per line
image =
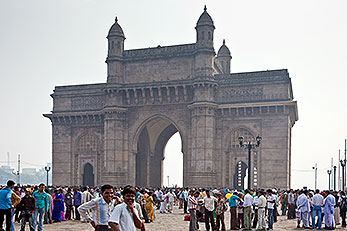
column 88, row 143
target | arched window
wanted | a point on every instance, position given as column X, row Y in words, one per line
column 203, row 35
column 88, row 142
column 209, row 35
column 118, row 44
column 112, row 45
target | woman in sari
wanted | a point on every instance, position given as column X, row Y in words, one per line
column 58, row 206
column 149, row 207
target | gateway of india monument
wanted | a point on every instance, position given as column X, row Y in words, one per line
column 116, row 132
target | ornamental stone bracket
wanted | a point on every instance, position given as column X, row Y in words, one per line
column 75, row 118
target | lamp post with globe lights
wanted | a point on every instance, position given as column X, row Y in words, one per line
column 329, row 173
column 248, row 145
column 47, row 168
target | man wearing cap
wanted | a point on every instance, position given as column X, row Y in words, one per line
column 26, row 208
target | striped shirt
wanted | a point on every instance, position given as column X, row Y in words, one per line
column 100, row 209
column 192, row 202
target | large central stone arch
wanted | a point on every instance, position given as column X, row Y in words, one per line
column 149, row 144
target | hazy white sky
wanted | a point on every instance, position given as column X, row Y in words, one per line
column 48, row 43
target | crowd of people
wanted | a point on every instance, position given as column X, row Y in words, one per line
column 127, row 209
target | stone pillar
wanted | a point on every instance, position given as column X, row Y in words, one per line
column 115, row 159
column 62, row 155
column 201, row 166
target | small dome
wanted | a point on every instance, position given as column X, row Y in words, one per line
column 205, row 19
column 116, row 30
column 223, row 50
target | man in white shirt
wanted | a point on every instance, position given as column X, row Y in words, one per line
column 255, row 203
column 317, row 203
column 170, row 197
column 247, row 212
column 124, row 217
column 101, row 208
column 191, row 204
column 291, row 205
column 303, row 205
column 209, row 203
column 270, row 208
column 163, row 201
column 261, row 211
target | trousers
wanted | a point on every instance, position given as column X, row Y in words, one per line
column 261, row 219
column 7, row 213
column 247, row 217
column 220, row 222
column 209, row 218
column 233, row 218
column 192, row 220
column 317, row 210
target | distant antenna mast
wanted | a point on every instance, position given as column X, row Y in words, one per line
column 8, row 159
column 18, row 170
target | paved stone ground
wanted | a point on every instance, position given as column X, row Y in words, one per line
column 164, row 222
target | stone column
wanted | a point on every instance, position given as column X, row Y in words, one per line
column 115, row 159
column 63, row 162
column 201, row 166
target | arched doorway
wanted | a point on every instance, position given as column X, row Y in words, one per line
column 151, row 144
column 88, row 175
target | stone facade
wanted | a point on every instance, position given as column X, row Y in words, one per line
column 116, row 132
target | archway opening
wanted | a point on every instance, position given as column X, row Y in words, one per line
column 173, row 162
column 88, row 175
column 151, row 145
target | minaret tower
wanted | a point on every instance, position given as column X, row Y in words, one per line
column 204, row 31
column 115, row 53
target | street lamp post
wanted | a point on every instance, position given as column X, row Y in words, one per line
column 248, row 145
column 343, row 164
column 329, row 172
column 315, row 176
column 334, row 178
column 47, row 170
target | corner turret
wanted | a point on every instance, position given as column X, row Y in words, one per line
column 204, row 30
column 224, row 57
column 115, row 39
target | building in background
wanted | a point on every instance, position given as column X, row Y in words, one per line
column 116, row 132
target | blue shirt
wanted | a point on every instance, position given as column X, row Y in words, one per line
column 5, row 198
column 233, row 201
column 77, row 198
column 41, row 200
column 184, row 195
